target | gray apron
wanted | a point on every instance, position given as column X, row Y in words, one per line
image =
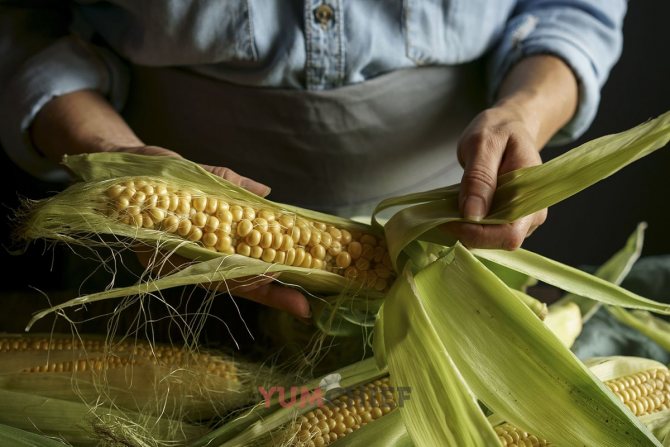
column 340, row 151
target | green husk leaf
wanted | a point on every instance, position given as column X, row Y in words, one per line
column 570, row 279
column 15, row 437
column 653, row 327
column 525, row 191
column 565, row 322
column 387, row 431
column 550, row 392
column 258, row 422
column 614, row 270
column 418, row 359
column 613, row 367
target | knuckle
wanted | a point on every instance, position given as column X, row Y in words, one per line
column 514, row 240
column 479, row 177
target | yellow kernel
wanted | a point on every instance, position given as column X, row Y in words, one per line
column 260, row 224
column 296, row 232
column 266, row 240
column 138, row 197
column 318, row 252
column 212, row 224
column 147, row 222
column 256, row 252
column 355, row 249
column 280, row 257
column 320, row 226
column 157, row 214
column 244, row 227
column 343, row 260
column 237, row 213
column 171, row 223
column 212, row 205
column 287, row 243
column 268, row 215
column 184, row 207
column 223, row 243
column 199, row 203
column 224, row 216
column 163, row 201
column 243, row 249
column 305, row 235
column 286, row 221
column 248, row 213
column 326, row 239
column 290, row 256
column 315, row 238
column 346, row 237
column 274, row 226
column 122, row 203
column 253, row 238
column 316, row 264
column 174, row 202
column 307, row 262
column 335, row 233
column 195, row 234
column 209, row 239
column 115, row 191
column 184, row 227
column 269, row 255
column 278, row 240
column 299, row 257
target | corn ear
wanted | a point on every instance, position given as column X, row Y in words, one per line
column 175, row 206
column 149, row 378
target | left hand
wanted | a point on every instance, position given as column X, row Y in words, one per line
column 499, row 140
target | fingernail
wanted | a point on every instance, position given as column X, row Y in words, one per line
column 256, row 187
column 474, row 209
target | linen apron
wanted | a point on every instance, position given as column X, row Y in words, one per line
column 339, row 151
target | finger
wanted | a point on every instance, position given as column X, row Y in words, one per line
column 481, row 155
column 233, row 177
column 280, row 297
column 505, row 236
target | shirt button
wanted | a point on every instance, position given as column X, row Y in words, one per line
column 323, row 14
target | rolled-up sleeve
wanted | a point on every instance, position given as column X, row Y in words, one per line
column 585, row 34
column 64, row 64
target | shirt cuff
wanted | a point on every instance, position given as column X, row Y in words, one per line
column 66, row 66
column 531, row 34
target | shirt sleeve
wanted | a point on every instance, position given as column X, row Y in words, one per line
column 585, row 34
column 42, row 66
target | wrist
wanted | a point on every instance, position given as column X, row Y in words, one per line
column 544, row 91
column 80, row 122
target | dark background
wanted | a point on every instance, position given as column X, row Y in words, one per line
column 585, row 229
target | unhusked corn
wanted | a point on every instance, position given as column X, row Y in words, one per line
column 262, row 233
column 645, row 392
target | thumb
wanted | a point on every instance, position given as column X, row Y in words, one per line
column 480, row 178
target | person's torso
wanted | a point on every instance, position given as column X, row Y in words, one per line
column 297, row 44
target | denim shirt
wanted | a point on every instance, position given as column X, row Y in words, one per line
column 311, row 44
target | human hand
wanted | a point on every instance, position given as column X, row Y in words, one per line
column 260, row 289
column 499, row 140
column 225, row 173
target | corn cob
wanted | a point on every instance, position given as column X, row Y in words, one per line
column 644, row 393
column 133, row 375
column 229, row 227
column 342, row 416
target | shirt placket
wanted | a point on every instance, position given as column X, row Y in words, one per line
column 324, row 42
